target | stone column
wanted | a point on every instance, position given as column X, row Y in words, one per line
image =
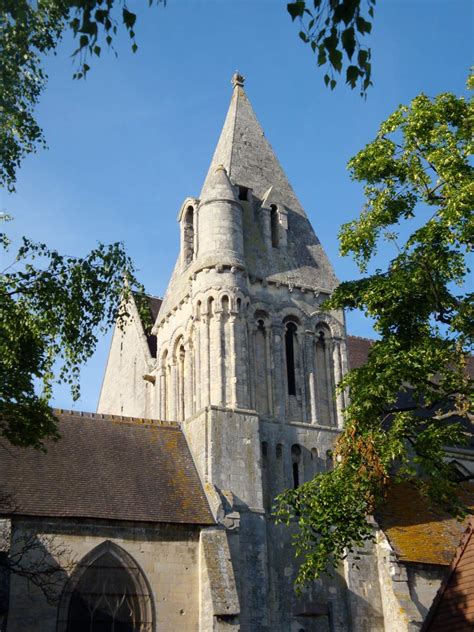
column 205, row 366
column 337, row 379
column 233, row 361
column 328, row 358
column 215, row 355
column 311, row 372
column 344, row 367
column 279, row 376
column 302, row 374
column 188, row 380
column 173, row 397
column 269, row 368
column 243, row 352
column 197, row 384
column 160, row 378
column 252, row 330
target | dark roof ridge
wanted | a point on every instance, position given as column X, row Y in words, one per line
column 118, row 418
column 362, row 338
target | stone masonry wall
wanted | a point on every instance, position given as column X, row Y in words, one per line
column 167, row 555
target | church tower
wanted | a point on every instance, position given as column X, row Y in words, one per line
column 247, row 362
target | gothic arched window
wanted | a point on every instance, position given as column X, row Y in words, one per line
column 107, row 593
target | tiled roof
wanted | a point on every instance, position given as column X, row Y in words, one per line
column 416, row 531
column 105, row 466
column 453, row 607
column 358, row 351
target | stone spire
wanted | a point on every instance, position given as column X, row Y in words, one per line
column 250, row 164
column 246, row 154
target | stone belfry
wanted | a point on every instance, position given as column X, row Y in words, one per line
column 238, row 327
column 247, row 362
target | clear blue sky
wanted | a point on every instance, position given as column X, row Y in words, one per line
column 127, row 145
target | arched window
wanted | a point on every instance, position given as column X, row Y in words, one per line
column 296, row 460
column 324, row 375
column 274, row 227
column 188, row 235
column 107, row 593
column 290, row 340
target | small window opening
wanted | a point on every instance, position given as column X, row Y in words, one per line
column 296, row 458
column 296, row 475
column 225, row 304
column 279, row 451
column 243, row 193
column 322, row 339
column 314, row 454
column 274, row 225
column 329, row 459
column 290, row 335
column 188, row 241
column 264, row 449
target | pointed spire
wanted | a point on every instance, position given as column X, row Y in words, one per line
column 218, row 186
column 246, row 154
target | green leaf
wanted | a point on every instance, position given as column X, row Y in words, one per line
column 363, row 26
column 129, row 18
column 335, row 58
column 362, row 57
column 352, row 74
column 348, row 41
column 322, row 58
column 296, row 9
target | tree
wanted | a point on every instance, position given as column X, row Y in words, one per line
column 334, row 29
column 52, row 307
column 408, row 402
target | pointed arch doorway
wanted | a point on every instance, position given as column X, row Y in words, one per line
column 107, row 592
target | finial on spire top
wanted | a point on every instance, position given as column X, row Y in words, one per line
column 238, row 79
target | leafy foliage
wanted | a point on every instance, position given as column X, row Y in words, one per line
column 52, row 308
column 408, row 402
column 28, row 31
column 334, row 28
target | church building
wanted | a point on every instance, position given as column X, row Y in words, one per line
column 160, row 502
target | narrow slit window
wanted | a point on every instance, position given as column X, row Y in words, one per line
column 274, row 225
column 296, row 459
column 296, row 475
column 290, row 336
column 189, row 235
